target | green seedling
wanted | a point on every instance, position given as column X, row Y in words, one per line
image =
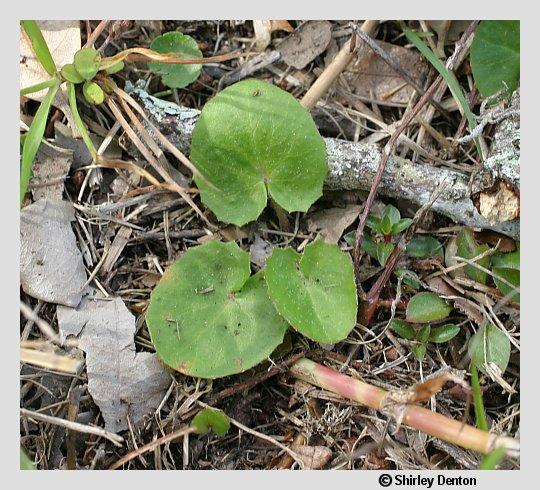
column 211, row 419
column 91, row 70
column 423, row 335
column 254, row 140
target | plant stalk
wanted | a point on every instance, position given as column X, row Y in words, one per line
column 414, row 416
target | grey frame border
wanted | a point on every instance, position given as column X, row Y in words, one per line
column 411, row 9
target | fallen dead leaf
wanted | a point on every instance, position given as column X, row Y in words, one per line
column 50, row 170
column 263, row 31
column 306, row 43
column 51, row 264
column 260, row 250
column 332, row 222
column 372, row 79
column 122, row 382
column 313, row 457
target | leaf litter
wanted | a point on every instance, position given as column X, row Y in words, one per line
column 124, row 384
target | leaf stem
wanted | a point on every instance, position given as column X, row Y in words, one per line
column 414, row 416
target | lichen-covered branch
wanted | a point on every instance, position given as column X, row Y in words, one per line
column 352, row 166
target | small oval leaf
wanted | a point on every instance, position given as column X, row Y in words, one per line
column 86, row 62
column 419, row 351
column 403, row 329
column 175, row 75
column 315, row 292
column 444, row 333
column 510, row 275
column 254, row 139
column 497, row 348
column 468, row 248
column 210, row 418
column 208, row 318
column 93, row 93
column 423, row 334
column 383, row 252
column 115, row 68
column 71, row 74
column 427, row 307
column 423, row 246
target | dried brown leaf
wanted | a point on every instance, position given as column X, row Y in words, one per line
column 306, row 43
column 122, row 382
column 51, row 264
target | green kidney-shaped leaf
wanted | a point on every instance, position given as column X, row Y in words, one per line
column 497, row 347
column 510, row 275
column 495, row 55
column 255, row 139
column 468, row 248
column 208, row 318
column 427, row 307
column 86, row 62
column 176, row 76
column 444, row 333
column 210, row 418
column 315, row 292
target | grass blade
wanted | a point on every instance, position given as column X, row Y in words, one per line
column 33, row 139
column 492, row 459
column 39, row 45
column 479, row 411
column 448, row 76
column 38, row 86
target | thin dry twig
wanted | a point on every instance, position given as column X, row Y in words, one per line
column 87, row 429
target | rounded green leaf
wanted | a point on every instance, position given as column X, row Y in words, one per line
column 423, row 246
column 315, row 292
column 255, row 139
column 115, row 68
column 444, row 333
column 71, row 74
column 208, row 318
column 468, row 248
column 86, row 62
column 210, row 418
column 495, row 55
column 510, row 275
column 93, row 93
column 403, row 329
column 489, row 345
column 386, row 225
column 427, row 307
column 176, row 76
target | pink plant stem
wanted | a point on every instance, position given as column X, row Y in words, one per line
column 414, row 416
